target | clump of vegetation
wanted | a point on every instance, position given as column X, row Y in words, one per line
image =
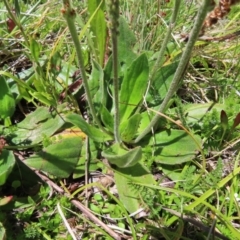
column 128, row 116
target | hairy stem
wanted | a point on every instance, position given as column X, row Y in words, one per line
column 69, row 15
column 113, row 9
column 115, row 88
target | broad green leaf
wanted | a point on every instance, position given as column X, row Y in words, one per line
column 160, row 84
column 7, row 102
column 172, row 172
column 97, row 86
column 133, row 86
column 195, row 112
column 34, row 135
column 35, row 127
column 145, row 120
column 99, row 27
column 172, row 146
column 108, row 70
column 44, row 98
column 108, row 74
column 121, row 157
column 35, row 49
column 107, row 118
column 94, row 133
column 7, row 161
column 34, row 118
column 58, row 159
column 124, row 177
column 126, row 41
column 68, row 133
column 95, row 78
column 129, row 128
column 93, row 164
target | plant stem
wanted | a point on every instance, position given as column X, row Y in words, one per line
column 113, row 9
column 69, row 15
column 158, row 63
column 115, row 88
column 181, row 66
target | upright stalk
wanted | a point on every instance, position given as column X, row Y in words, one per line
column 113, row 6
column 115, row 89
column 69, row 14
column 204, row 9
column 166, row 40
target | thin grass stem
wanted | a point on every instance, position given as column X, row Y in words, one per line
column 204, row 9
column 69, row 15
column 115, row 88
column 166, row 40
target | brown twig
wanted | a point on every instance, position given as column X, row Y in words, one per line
column 196, row 223
column 95, row 219
column 80, row 206
column 222, row 38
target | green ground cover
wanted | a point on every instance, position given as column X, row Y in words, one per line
column 119, row 119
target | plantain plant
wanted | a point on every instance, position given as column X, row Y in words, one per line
column 128, row 94
column 125, row 83
column 118, row 91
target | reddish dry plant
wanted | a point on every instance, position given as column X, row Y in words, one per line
column 2, row 144
column 10, row 24
column 63, row 11
column 219, row 11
